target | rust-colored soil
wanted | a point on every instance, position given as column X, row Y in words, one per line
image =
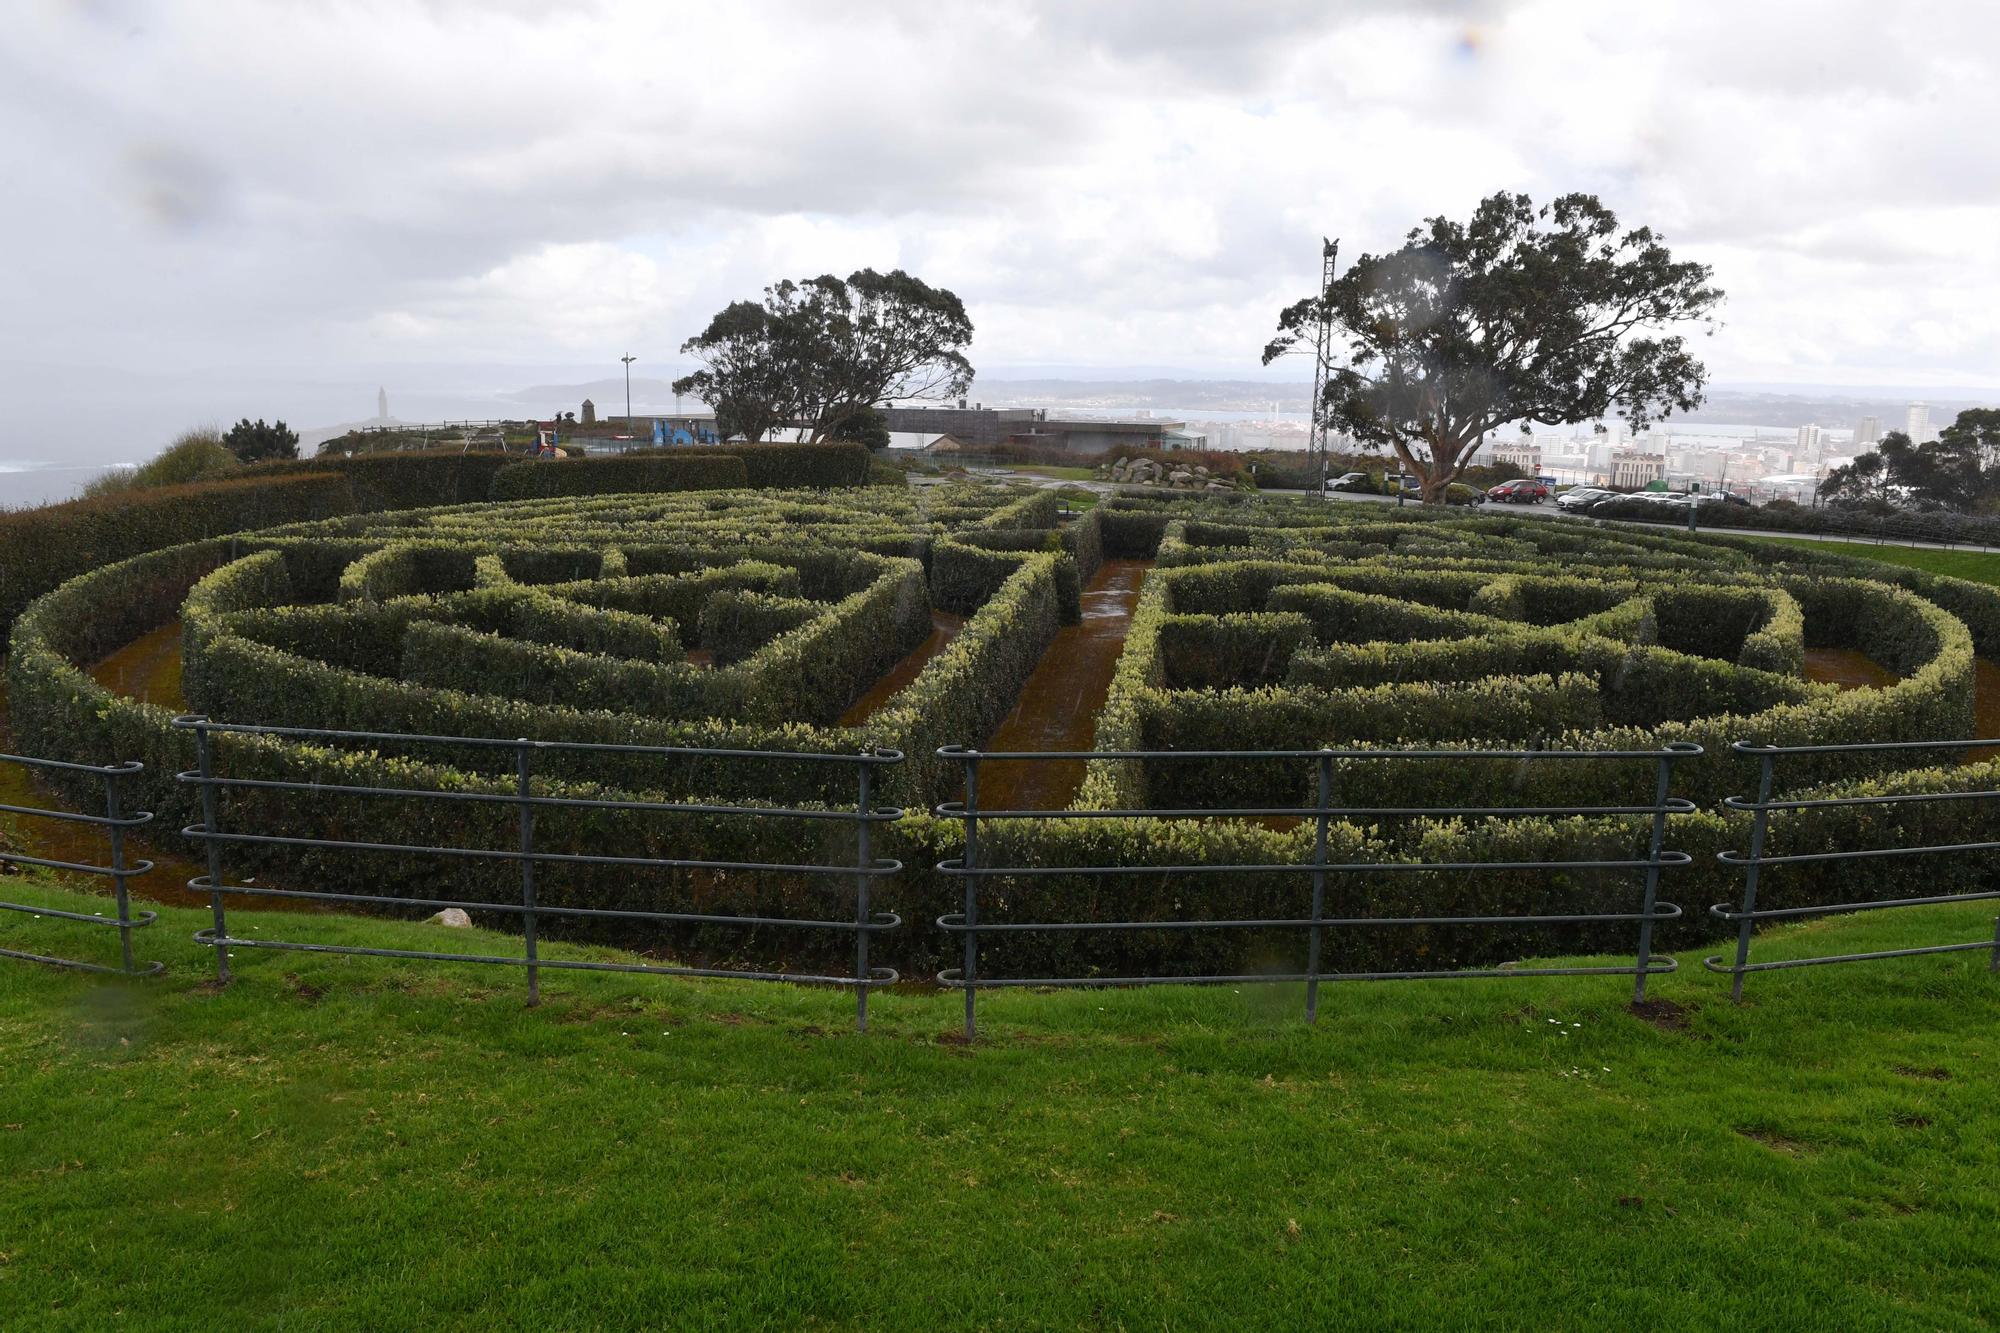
column 1058, row 706
column 944, row 628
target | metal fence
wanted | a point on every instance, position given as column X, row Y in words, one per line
column 861, row 871
column 976, row 868
column 1752, row 864
column 973, row 870
column 114, row 822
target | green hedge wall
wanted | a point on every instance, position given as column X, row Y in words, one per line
column 735, row 624
column 42, row 548
column 541, row 480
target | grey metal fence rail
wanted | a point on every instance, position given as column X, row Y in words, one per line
column 972, row 870
column 1752, row 863
column 862, row 870
column 114, row 822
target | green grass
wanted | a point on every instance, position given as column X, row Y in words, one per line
column 1978, row 566
column 1058, row 472
column 368, row 1143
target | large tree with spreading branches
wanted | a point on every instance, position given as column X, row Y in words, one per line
column 817, row 354
column 1522, row 314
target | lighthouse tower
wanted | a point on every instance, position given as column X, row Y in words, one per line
column 382, row 404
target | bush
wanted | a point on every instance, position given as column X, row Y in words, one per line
column 196, row 455
column 257, row 442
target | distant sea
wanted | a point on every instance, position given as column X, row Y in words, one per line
column 23, row 485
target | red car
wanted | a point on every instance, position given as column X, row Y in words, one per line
column 1525, row 491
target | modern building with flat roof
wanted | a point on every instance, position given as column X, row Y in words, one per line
column 986, row 426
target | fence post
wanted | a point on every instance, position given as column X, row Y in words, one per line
column 970, row 860
column 1758, row 826
column 863, row 859
column 117, row 831
column 526, row 819
column 1318, row 887
column 205, row 765
column 1993, row 963
column 1653, row 875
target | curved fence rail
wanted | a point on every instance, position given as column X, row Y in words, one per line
column 527, row 851
column 1753, row 863
column 863, row 870
column 115, row 823
column 973, row 870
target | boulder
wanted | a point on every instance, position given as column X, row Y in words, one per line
column 450, row 916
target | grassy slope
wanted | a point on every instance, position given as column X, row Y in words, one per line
column 366, row 1143
column 1978, row 566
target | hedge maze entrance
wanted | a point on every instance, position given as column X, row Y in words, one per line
column 842, row 622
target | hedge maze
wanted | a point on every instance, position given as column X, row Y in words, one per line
column 748, row 619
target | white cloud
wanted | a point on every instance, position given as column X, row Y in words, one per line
column 220, row 181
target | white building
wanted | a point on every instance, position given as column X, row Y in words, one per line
column 1917, row 423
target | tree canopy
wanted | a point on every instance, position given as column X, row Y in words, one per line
column 1959, row 470
column 1520, row 315
column 256, row 442
column 817, row 353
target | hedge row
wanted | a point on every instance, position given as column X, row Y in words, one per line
column 40, row 548
column 618, row 475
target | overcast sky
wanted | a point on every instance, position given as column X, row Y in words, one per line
column 1116, row 184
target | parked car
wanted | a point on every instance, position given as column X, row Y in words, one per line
column 1351, row 481
column 1523, row 491
column 1579, row 497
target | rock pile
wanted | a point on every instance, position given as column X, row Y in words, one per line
column 1142, row 471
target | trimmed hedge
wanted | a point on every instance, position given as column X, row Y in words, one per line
column 42, row 548
column 1211, row 654
column 617, row 475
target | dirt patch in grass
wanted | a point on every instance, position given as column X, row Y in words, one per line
column 1933, row 1073
column 1776, row 1142
column 1666, row 1015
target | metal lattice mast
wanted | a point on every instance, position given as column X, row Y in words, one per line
column 1322, row 366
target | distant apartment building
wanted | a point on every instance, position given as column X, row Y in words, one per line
column 1527, row 457
column 1701, row 464
column 1812, row 442
column 1634, row 471
column 1867, row 431
column 1917, row 423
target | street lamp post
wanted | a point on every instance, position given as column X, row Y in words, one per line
column 628, row 359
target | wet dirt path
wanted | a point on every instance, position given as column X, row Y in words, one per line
column 1985, row 708
column 149, row 669
column 1058, row 706
column 1848, row 668
column 945, row 627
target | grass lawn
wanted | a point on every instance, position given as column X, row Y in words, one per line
column 1978, row 566
column 1058, row 472
column 366, row 1143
